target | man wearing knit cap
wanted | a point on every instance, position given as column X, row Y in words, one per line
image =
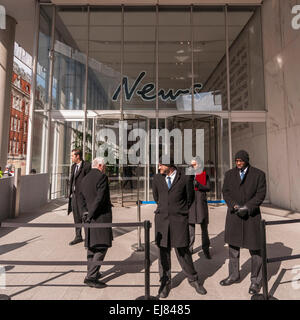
column 244, row 190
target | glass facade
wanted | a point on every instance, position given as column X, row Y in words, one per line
column 104, row 51
column 160, row 67
column 71, row 34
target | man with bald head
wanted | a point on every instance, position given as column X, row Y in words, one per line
column 244, row 190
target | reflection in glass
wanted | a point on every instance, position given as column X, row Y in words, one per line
column 209, row 51
column 70, row 58
column 246, row 59
column 42, row 88
column 251, row 137
column 104, row 59
column 175, row 56
column 139, row 58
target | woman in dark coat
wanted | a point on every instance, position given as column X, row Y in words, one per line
column 198, row 212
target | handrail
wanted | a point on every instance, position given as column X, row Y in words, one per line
column 265, row 260
column 146, row 224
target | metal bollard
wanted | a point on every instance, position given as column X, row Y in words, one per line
column 147, row 259
column 264, row 260
column 147, row 226
column 139, row 228
column 138, row 247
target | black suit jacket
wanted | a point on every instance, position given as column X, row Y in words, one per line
column 171, row 215
column 95, row 199
column 244, row 232
column 80, row 174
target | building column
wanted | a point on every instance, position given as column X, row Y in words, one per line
column 7, row 40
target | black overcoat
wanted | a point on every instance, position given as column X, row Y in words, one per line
column 244, row 232
column 95, row 195
column 198, row 212
column 171, row 215
column 83, row 170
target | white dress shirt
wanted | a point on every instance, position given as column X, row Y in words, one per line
column 172, row 176
column 245, row 170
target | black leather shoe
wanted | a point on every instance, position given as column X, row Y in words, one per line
column 75, row 241
column 229, row 281
column 99, row 275
column 254, row 288
column 207, row 254
column 164, row 289
column 199, row 288
column 94, row 283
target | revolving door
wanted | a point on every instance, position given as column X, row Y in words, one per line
column 128, row 180
column 212, row 131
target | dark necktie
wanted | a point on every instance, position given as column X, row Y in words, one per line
column 169, row 182
column 75, row 172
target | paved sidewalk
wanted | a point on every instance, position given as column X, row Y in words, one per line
column 127, row 282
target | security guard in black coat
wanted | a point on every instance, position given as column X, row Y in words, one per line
column 79, row 170
column 173, row 193
column 244, row 190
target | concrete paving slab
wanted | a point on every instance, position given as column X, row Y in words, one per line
column 65, row 282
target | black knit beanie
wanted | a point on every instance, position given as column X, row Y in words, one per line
column 243, row 155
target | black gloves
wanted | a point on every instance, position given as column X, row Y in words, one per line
column 242, row 212
column 85, row 218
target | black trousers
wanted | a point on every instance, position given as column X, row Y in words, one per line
column 204, row 235
column 234, row 264
column 94, row 255
column 184, row 258
column 76, row 215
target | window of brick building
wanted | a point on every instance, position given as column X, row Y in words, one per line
column 15, row 123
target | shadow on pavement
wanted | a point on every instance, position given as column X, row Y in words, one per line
column 52, row 206
column 120, row 270
column 277, row 249
column 5, row 248
column 204, row 267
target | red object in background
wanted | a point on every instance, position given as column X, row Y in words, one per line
column 201, row 178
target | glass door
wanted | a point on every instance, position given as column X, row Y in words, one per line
column 115, row 140
column 212, row 145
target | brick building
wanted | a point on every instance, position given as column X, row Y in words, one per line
column 19, row 110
